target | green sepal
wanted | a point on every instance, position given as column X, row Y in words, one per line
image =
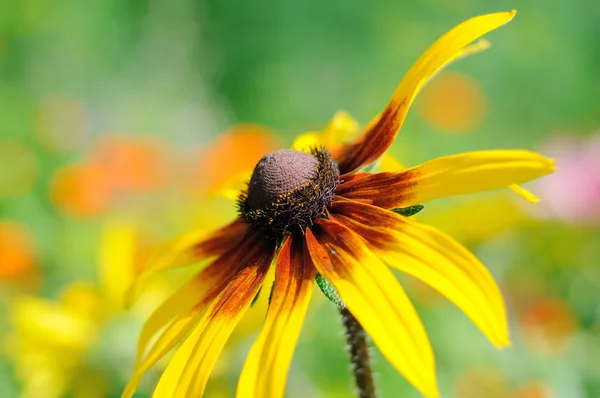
column 271, row 293
column 255, row 299
column 329, row 291
column 409, row 211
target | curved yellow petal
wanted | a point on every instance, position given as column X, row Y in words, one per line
column 389, row 163
column 189, row 249
column 376, row 299
column 187, row 373
column 265, row 371
column 447, row 176
column 170, row 337
column 475, row 48
column 305, row 142
column 117, row 254
column 433, row 257
column 377, row 139
column 183, row 309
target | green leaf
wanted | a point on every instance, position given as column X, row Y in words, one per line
column 409, row 211
column 329, row 291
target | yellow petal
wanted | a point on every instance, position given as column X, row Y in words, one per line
column 117, row 256
column 184, row 308
column 389, row 163
column 187, row 373
column 342, row 128
column 377, row 139
column 376, row 299
column 265, row 371
column 475, row 48
column 525, row 194
column 305, row 142
column 169, row 338
column 433, row 257
column 193, row 294
column 189, row 249
column 447, row 176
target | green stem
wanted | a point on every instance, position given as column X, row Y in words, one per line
column 359, row 355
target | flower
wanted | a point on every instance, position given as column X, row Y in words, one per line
column 321, row 212
column 17, row 254
column 574, row 191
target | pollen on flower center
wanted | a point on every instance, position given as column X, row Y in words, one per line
column 288, row 190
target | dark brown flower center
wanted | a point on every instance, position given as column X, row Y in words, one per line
column 288, row 190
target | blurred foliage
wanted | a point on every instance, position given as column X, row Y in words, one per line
column 116, row 130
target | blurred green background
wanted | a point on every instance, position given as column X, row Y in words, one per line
column 119, row 120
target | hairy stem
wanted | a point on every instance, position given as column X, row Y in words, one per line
column 359, row 355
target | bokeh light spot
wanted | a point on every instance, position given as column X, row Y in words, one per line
column 80, row 190
column 17, row 257
column 133, row 164
column 452, row 103
column 233, row 152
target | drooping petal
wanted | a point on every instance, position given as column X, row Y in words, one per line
column 189, row 249
column 447, row 176
column 376, row 299
column 187, row 373
column 433, row 257
column 265, row 371
column 172, row 335
column 380, row 136
column 184, row 308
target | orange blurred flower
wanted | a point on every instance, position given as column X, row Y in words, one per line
column 482, row 382
column 81, row 189
column 17, row 257
column 452, row 103
column 132, row 165
column 232, row 152
column 548, row 326
column 534, row 390
column 116, row 166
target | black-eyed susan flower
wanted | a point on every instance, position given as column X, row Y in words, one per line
column 321, row 212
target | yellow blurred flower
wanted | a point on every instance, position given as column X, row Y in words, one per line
column 49, row 339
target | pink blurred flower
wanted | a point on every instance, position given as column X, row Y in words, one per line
column 572, row 193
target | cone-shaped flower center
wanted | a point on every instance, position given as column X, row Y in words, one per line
column 279, row 173
column 288, row 190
